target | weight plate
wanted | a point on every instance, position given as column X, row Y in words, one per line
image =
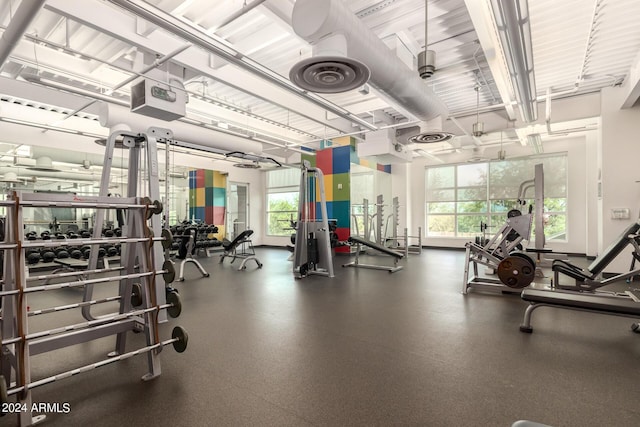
column 516, row 272
column 524, row 256
column 136, row 295
column 170, row 272
column 173, row 298
column 183, row 339
column 157, row 207
column 167, row 238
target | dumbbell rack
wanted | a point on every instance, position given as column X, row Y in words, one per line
column 142, row 276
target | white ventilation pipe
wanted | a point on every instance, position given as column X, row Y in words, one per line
column 27, row 10
column 316, row 20
column 113, row 116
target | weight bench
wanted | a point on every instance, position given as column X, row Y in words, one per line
column 241, row 247
column 364, row 242
column 186, row 250
column 587, row 279
column 621, row 304
column 72, row 267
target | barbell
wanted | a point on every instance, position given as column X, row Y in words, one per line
column 173, row 309
column 179, row 339
column 168, row 273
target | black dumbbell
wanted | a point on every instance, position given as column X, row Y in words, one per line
column 61, row 253
column 75, row 253
column 48, row 256
column 72, row 235
column 60, row 236
column 32, row 235
column 118, row 232
column 85, row 234
column 33, row 256
column 107, row 232
column 86, row 251
column 111, row 251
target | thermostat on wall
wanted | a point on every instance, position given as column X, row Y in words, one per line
column 620, row 213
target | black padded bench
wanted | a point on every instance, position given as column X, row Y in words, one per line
column 616, row 305
column 584, row 278
column 240, row 247
column 360, row 241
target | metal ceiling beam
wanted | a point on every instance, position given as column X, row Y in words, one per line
column 23, row 17
column 122, row 26
column 483, row 23
column 211, row 44
column 632, row 84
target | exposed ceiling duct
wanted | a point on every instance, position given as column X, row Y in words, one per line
column 315, row 21
column 424, row 133
column 10, row 177
column 112, row 116
column 43, row 164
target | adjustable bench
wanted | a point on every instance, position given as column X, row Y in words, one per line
column 360, row 241
column 240, row 247
column 586, row 279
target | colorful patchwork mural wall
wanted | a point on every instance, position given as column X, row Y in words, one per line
column 208, row 198
column 335, row 160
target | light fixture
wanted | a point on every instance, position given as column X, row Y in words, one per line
column 535, row 141
column 513, row 23
column 426, row 58
column 251, row 165
column 478, row 126
column 501, row 154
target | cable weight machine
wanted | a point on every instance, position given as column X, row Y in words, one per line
column 312, row 252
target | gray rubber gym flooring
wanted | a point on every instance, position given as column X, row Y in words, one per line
column 365, row 348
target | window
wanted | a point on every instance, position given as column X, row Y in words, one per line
column 283, row 188
column 459, row 197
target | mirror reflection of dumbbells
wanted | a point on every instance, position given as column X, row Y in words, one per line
column 49, row 255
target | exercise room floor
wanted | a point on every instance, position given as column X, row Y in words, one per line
column 365, row 348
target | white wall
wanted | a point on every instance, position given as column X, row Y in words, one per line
column 620, row 171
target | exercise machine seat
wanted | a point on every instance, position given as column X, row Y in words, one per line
column 231, row 245
column 600, row 263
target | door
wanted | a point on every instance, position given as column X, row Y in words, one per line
column 237, row 209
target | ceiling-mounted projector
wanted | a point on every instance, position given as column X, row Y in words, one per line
column 158, row 100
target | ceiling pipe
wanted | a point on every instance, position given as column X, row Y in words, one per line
column 314, row 20
column 211, row 44
column 245, row 9
column 111, row 116
column 23, row 17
